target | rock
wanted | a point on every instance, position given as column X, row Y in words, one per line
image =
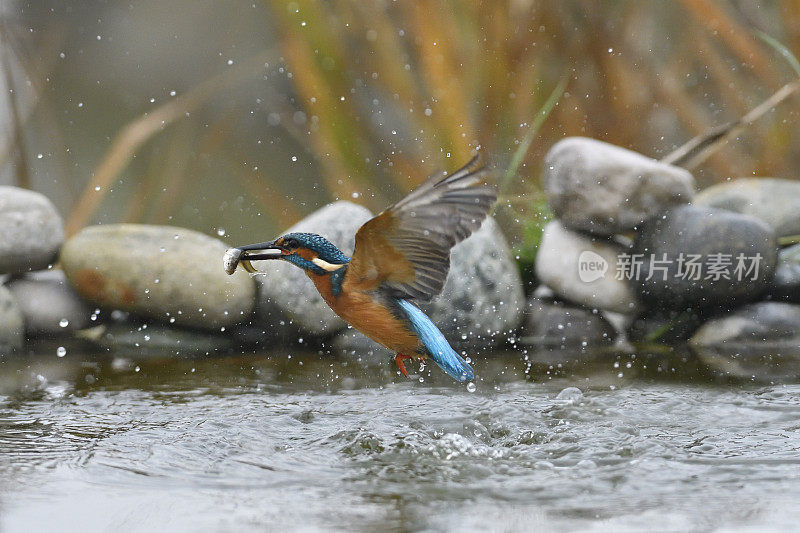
column 552, row 323
column 583, row 269
column 664, row 326
column 167, row 273
column 32, row 231
column 775, row 201
column 155, row 340
column 12, row 327
column 786, row 283
column 604, row 189
column 49, row 304
column 286, row 293
column 759, row 341
column 692, row 250
column 353, row 343
column 482, row 299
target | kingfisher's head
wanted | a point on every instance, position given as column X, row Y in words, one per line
column 311, row 252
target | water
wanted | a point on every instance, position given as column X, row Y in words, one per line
column 258, row 442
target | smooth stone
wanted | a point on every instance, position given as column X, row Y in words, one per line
column 604, row 189
column 775, row 201
column 134, row 339
column 483, row 300
column 12, row 325
column 49, row 304
column 786, row 283
column 703, row 232
column 284, row 290
column 160, row 272
column 583, row 269
column 552, row 323
column 33, row 231
column 759, row 341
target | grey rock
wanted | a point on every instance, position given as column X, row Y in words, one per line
column 33, row 231
column 734, row 243
column 352, row 343
column 155, row 340
column 583, row 269
column 664, row 326
column 786, row 283
column 775, row 201
column 49, row 304
column 759, row 341
column 552, row 323
column 167, row 273
column 604, row 189
column 482, row 299
column 12, row 327
column 286, row 293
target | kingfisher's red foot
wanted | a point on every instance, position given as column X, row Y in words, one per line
column 399, row 361
column 399, row 358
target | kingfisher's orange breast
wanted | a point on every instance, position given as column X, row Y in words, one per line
column 368, row 316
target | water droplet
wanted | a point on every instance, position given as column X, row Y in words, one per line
column 63, row 322
column 96, row 187
column 61, row 351
column 39, row 156
column 221, row 232
column 471, row 387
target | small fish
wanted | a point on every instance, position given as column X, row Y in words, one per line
column 231, row 259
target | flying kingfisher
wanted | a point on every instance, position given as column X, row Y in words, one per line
column 401, row 256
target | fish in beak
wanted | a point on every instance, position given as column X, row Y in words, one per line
column 242, row 255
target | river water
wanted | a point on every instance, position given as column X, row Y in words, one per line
column 89, row 443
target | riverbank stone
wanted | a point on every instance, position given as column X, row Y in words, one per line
column 664, row 326
column 286, row 293
column 483, row 299
column 759, row 341
column 786, row 283
column 603, row 189
column 550, row 323
column 162, row 272
column 33, row 231
column 775, row 201
column 584, row 269
column 12, row 325
column 698, row 256
column 49, row 304
column 148, row 340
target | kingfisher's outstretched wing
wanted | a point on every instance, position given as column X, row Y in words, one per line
column 406, row 249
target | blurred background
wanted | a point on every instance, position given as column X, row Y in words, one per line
column 238, row 118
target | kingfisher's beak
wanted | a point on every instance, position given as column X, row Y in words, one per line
column 250, row 252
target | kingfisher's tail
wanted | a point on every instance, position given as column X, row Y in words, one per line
column 435, row 344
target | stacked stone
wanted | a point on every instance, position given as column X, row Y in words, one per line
column 632, row 243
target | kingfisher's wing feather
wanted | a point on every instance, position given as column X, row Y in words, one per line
column 406, row 249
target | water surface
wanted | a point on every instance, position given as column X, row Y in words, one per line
column 90, row 443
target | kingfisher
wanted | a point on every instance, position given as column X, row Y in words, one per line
column 401, row 258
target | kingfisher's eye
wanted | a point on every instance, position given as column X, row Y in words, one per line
column 291, row 243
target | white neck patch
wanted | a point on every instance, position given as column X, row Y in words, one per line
column 324, row 265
